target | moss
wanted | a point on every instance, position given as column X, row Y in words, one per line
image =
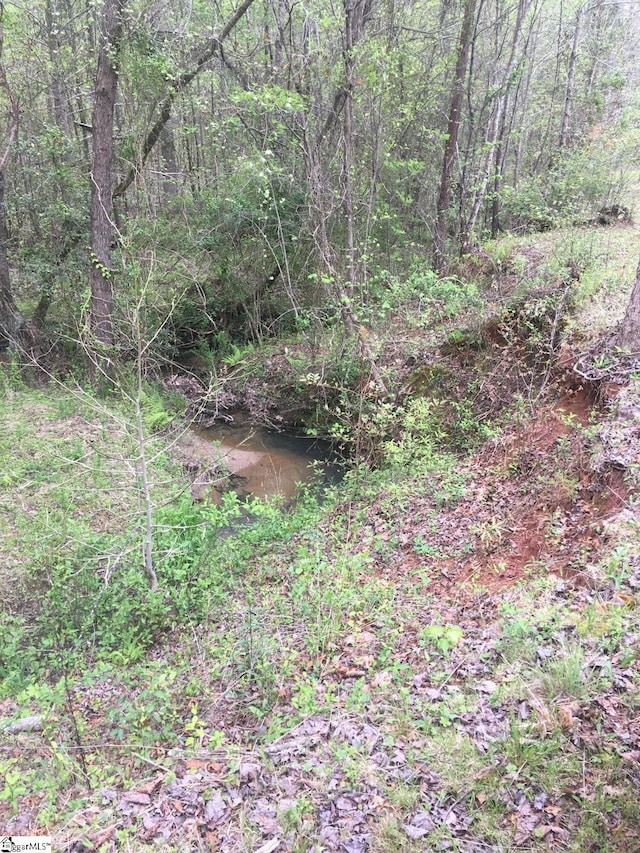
column 429, row 380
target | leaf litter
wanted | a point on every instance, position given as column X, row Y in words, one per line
column 415, row 740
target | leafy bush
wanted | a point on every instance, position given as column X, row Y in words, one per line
column 575, row 187
column 429, row 296
column 97, row 602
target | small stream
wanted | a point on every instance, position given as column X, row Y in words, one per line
column 271, row 463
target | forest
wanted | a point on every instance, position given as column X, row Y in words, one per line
column 319, row 394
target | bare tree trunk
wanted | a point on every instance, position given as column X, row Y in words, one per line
column 347, row 141
column 10, row 320
column 170, row 171
column 319, row 215
column 493, row 135
column 544, row 158
column 356, row 16
column 522, row 132
column 143, row 467
column 451, row 141
column 520, row 95
column 59, row 104
column 571, row 79
column 629, row 335
column 106, row 86
column 501, row 154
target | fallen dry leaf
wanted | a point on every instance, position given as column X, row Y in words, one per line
column 566, row 716
column 150, row 785
column 138, row 797
column 269, row 846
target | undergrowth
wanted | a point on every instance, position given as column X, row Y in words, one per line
column 310, row 649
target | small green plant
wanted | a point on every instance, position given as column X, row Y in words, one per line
column 563, row 676
column 297, row 820
column 194, row 729
column 305, row 697
column 10, row 375
column 229, row 352
column 152, row 712
column 617, row 565
column 360, row 697
column 489, row 534
column 443, row 713
column 154, row 412
column 14, row 784
column 426, row 548
column 444, row 638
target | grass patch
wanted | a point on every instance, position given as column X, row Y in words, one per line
column 326, row 673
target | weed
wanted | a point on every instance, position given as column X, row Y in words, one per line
column 617, row 565
column 443, row 713
column 441, row 637
column 305, row 697
column 14, row 784
column 490, row 534
column 456, row 757
column 426, row 548
column 10, row 376
column 297, row 818
column 325, row 596
column 194, row 729
column 253, row 664
column 359, row 699
column 563, row 677
column 354, row 764
column 538, row 763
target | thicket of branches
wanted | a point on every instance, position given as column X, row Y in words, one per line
column 277, row 160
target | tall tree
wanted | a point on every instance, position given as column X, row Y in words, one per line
column 211, row 47
column 571, row 79
column 451, row 139
column 10, row 321
column 629, row 334
column 106, row 86
column 493, row 131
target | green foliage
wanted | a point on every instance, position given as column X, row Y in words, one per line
column 19, row 659
column 153, row 713
column 442, row 637
column 154, row 412
column 98, row 602
column 617, row 565
column 233, row 355
column 326, row 595
column 419, row 437
column 424, row 297
column 11, row 378
column 269, row 97
column 575, row 188
column 564, row 675
column 14, row 784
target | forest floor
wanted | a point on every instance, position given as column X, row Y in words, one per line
column 441, row 654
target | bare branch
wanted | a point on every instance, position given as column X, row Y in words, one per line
column 13, row 101
column 207, row 53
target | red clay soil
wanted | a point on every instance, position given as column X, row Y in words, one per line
column 533, row 504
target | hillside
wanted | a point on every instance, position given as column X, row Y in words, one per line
column 439, row 653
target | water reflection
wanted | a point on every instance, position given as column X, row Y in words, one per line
column 270, row 463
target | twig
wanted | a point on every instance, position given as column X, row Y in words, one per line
column 552, row 341
column 151, row 763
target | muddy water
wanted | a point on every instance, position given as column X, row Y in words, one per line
column 270, row 463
